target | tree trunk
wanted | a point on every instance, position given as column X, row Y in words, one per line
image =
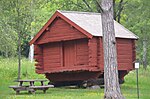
column 6, row 52
column 19, row 55
column 112, row 88
column 145, row 54
column 19, row 40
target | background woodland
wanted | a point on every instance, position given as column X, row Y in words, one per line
column 26, row 18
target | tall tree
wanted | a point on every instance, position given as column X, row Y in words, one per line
column 112, row 88
column 7, row 33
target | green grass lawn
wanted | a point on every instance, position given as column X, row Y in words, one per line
column 8, row 73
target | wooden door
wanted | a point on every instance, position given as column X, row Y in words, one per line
column 69, row 53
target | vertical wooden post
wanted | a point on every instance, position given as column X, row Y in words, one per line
column 137, row 65
column 137, row 81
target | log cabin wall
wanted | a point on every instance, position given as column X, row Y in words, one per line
column 93, row 52
column 125, row 54
column 38, row 56
column 134, row 53
column 101, row 54
column 82, row 52
column 66, row 55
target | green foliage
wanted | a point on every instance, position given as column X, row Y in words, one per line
column 9, row 69
column 8, row 36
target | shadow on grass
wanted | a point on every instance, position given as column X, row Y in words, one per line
column 26, row 93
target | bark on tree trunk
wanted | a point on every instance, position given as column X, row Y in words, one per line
column 112, row 88
column 19, row 56
column 145, row 54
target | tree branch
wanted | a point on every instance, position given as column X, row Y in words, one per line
column 87, row 5
column 99, row 9
column 78, row 5
column 114, row 4
column 120, row 9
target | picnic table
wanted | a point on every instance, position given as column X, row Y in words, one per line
column 31, row 87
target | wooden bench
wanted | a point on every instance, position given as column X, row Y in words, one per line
column 21, row 88
column 31, row 88
column 44, row 88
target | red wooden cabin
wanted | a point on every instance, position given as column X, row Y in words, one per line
column 69, row 47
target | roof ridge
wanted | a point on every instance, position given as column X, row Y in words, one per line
column 78, row 12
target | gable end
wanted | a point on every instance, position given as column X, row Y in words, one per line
column 59, row 30
column 58, row 14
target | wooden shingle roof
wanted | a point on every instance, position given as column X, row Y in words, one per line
column 88, row 23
